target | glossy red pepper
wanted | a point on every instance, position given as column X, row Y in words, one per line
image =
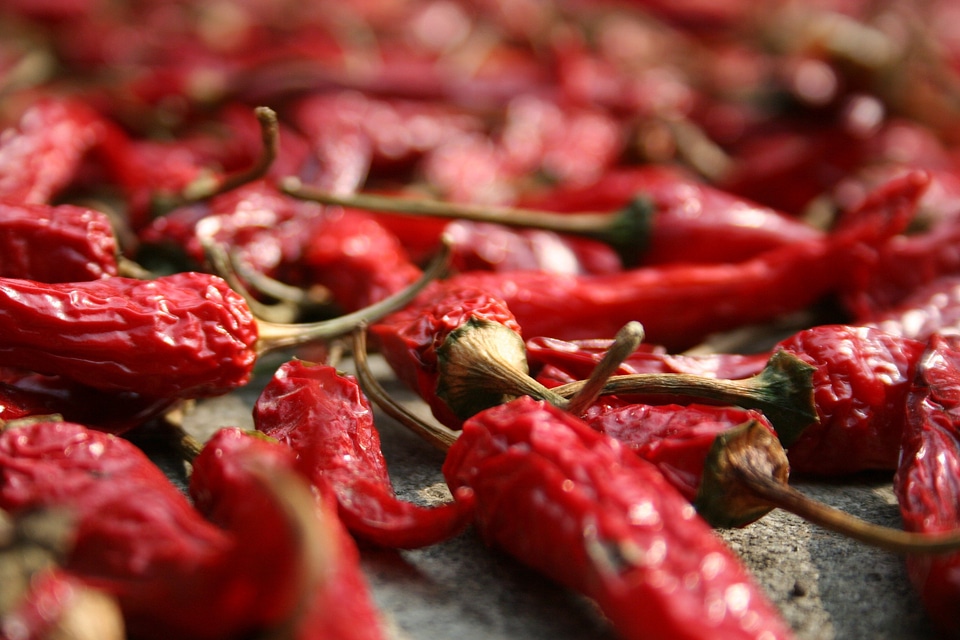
column 689, row 215
column 679, row 305
column 333, row 602
column 182, row 335
column 579, row 507
column 326, row 419
column 139, row 539
column 61, row 243
column 927, row 483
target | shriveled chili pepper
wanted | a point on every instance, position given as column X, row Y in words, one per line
column 577, row 506
column 62, row 243
column 138, row 538
column 183, row 335
column 933, row 308
column 679, row 305
column 325, row 418
column 927, row 483
column 332, row 599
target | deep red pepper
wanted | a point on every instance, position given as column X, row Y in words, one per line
column 409, row 338
column 932, row 308
column 333, row 603
column 138, row 538
column 326, row 419
column 182, row 335
column 579, row 507
column 44, row 153
column 679, row 305
column 62, row 243
column 690, row 216
column 927, row 481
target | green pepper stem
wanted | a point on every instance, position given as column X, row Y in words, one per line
column 276, row 335
column 627, row 230
column 783, row 391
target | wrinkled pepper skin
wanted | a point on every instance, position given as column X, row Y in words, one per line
column 932, row 308
column 675, row 438
column 581, row 508
column 324, row 417
column 61, row 243
column 183, row 335
column 222, row 487
column 861, row 382
column 174, row 574
column 927, row 481
column 409, row 338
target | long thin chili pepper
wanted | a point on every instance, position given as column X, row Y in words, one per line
column 183, row 335
column 679, row 305
column 325, row 418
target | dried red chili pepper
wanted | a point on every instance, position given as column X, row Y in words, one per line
column 933, row 308
column 61, row 243
column 325, row 418
column 577, row 506
column 178, row 336
column 679, row 305
column 332, row 599
column 926, row 481
column 43, row 155
column 137, row 537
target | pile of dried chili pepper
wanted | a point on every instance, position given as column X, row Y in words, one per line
column 200, row 201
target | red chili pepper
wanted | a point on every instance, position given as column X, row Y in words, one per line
column 61, row 243
column 577, row 506
column 679, row 305
column 689, row 216
column 933, row 308
column 927, row 483
column 43, row 155
column 137, row 537
column 184, row 335
column 325, row 418
column 332, row 599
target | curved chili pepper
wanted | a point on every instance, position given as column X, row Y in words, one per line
column 575, row 505
column 325, row 418
column 679, row 305
column 61, row 243
column 927, row 483
column 332, row 599
column 933, row 308
column 137, row 537
column 184, row 335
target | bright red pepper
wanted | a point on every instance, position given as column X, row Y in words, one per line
column 335, row 601
column 679, row 305
column 927, row 481
column 326, row 419
column 61, row 243
column 933, row 308
column 138, row 538
column 577, row 506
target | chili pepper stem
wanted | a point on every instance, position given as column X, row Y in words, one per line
column 626, row 230
column 783, row 391
column 270, row 137
column 276, row 336
column 753, row 468
column 626, row 342
column 437, row 435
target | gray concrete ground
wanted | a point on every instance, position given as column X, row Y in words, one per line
column 827, row 587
